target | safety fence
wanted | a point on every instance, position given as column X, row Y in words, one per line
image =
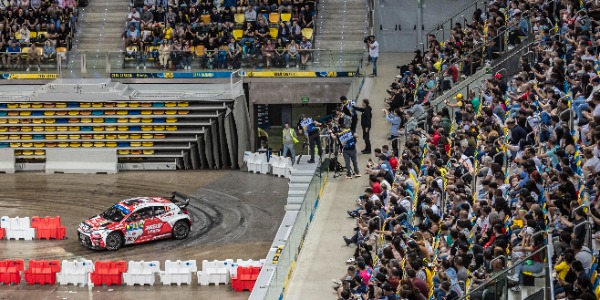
column 28, row 229
column 241, row 274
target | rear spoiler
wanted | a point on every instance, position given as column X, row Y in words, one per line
column 178, row 198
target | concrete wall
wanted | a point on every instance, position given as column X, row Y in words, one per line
column 395, row 14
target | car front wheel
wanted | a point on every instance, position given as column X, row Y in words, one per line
column 181, row 229
column 114, row 241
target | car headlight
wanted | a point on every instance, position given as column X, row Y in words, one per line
column 85, row 228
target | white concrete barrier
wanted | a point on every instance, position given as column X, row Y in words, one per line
column 17, row 228
column 75, row 272
column 141, row 272
column 281, row 166
column 215, row 272
column 7, row 160
column 178, row 272
column 257, row 163
column 81, row 161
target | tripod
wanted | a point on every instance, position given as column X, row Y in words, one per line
column 333, row 162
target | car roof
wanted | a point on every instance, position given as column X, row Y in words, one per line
column 134, row 203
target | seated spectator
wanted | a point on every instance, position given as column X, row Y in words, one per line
column 14, row 55
column 292, row 53
column 33, row 55
column 49, row 51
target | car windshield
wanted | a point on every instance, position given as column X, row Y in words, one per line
column 115, row 213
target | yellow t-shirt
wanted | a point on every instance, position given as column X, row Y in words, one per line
column 168, row 33
column 562, row 268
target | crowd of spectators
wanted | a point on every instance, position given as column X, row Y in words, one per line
column 468, row 202
column 220, row 34
column 31, row 30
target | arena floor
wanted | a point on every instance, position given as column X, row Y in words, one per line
column 236, row 215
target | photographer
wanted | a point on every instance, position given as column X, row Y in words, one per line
column 347, row 140
column 311, row 131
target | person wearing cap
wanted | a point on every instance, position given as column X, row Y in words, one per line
column 347, row 140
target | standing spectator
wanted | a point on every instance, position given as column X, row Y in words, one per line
column 365, row 123
column 348, row 108
column 33, row 55
column 373, row 54
column 289, row 139
column 311, row 131
column 395, row 120
column 347, row 140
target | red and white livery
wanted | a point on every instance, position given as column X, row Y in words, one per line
column 137, row 220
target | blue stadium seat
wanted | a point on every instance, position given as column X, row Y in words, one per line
column 123, row 144
column 86, row 128
column 110, row 120
column 134, row 112
column 37, row 113
column 62, row 120
column 158, row 104
column 97, row 112
column 160, row 120
column 135, row 128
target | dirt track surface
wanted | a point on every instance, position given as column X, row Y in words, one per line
column 236, row 215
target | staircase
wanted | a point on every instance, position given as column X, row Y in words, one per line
column 340, row 27
column 101, row 24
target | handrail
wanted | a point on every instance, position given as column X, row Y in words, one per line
column 503, row 272
column 461, row 12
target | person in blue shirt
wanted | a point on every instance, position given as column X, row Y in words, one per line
column 311, row 131
column 347, row 140
column 520, row 28
column 14, row 55
column 394, row 119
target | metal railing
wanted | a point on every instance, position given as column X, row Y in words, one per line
column 462, row 16
column 151, row 64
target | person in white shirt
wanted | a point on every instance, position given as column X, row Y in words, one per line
column 134, row 18
column 373, row 53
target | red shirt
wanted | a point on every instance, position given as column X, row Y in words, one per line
column 421, row 285
column 376, row 188
column 393, row 162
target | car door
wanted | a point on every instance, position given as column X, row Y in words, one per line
column 161, row 214
column 135, row 225
column 153, row 225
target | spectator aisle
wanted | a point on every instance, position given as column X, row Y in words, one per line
column 101, row 23
column 324, row 252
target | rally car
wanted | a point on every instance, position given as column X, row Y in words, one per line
column 137, row 220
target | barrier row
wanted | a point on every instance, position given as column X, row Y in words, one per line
column 277, row 165
column 241, row 273
column 28, row 229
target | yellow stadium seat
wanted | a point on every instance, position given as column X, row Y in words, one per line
column 13, row 121
column 74, row 144
column 170, row 104
column 39, row 145
column 307, row 33
column 122, row 120
column 134, row 104
column 85, row 105
column 135, row 136
column 146, row 128
column 24, row 105
column 61, row 113
column 171, row 120
column 85, row 112
column 159, row 135
column 135, row 144
column 237, row 34
column 62, row 136
column 86, row 120
column 123, row 152
column 63, row 145
column 62, row 128
column 99, row 144
column 87, row 144
column 74, row 128
column 148, row 151
column 18, row 152
column 121, row 104
column 38, row 128
column 38, row 121
column 26, row 137
column 123, row 136
column 98, row 136
column 26, row 129
column 49, row 121
column 74, row 136
column 121, row 112
column 27, row 145
column 39, row 152
column 5, row 137
column 37, row 105
column 273, row 32
column 98, row 120
column 27, row 152
column 50, row 128
column 159, row 128
column 122, row 128
column 239, row 18
column 286, row 17
column 111, row 136
column 73, row 112
column 147, row 144
column 146, row 112
column 171, row 128
column 171, row 112
column 274, row 18
column 25, row 113
column 15, row 145
column 147, row 136
column 97, row 104
column 111, row 144
column 98, row 128
column 50, row 136
column 205, row 18
column 12, row 105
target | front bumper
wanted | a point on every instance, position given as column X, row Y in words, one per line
column 89, row 241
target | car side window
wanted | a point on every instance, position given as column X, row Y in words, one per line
column 159, row 210
column 145, row 212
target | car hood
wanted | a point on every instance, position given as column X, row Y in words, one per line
column 97, row 222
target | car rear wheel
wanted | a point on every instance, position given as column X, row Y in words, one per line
column 181, row 229
column 114, row 241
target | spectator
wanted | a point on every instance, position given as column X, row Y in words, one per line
column 305, row 55
column 14, row 55
column 292, row 52
column 373, row 53
column 365, row 123
column 33, row 55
